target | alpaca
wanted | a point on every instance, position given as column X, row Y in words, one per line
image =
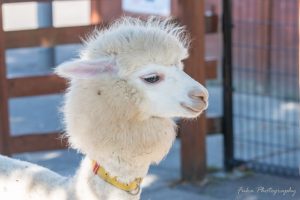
column 123, row 93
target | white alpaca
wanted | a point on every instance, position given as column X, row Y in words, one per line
column 123, row 93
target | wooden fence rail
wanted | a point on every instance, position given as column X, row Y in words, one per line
column 46, row 37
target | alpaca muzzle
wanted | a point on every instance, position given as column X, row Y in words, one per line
column 198, row 101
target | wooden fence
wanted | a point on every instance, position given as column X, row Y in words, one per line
column 190, row 13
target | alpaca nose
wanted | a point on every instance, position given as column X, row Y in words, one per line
column 199, row 94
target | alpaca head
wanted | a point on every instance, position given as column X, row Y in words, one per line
column 127, row 84
column 156, row 90
column 146, row 57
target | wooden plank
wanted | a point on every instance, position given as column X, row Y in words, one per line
column 4, row 114
column 36, row 85
column 193, row 154
column 211, row 68
column 46, row 37
column 37, row 142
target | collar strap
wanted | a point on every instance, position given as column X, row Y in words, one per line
column 132, row 187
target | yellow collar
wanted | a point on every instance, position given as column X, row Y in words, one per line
column 132, row 187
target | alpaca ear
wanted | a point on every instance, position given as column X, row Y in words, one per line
column 86, row 69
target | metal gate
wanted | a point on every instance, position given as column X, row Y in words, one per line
column 261, row 85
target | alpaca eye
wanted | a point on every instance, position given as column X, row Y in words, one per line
column 152, row 79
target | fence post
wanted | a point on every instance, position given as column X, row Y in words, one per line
column 4, row 115
column 193, row 133
column 227, row 123
column 96, row 17
column 105, row 11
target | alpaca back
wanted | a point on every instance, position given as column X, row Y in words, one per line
column 21, row 180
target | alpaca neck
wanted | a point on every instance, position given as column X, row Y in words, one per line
column 87, row 185
column 132, row 152
column 124, row 148
column 127, row 150
column 125, row 172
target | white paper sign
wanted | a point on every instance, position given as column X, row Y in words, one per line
column 156, row 7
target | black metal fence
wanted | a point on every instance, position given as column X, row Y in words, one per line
column 264, row 87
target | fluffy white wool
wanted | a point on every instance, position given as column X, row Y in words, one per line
column 153, row 41
column 105, row 115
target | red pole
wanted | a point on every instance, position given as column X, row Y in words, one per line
column 193, row 133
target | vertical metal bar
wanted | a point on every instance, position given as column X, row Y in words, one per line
column 45, row 19
column 266, row 77
column 249, row 87
column 4, row 114
column 254, row 34
column 238, row 76
column 273, row 72
column 269, row 45
column 288, row 83
column 193, row 149
column 242, row 79
column 263, row 57
column 280, row 80
column 292, row 124
column 297, row 141
column 227, row 86
column 245, row 79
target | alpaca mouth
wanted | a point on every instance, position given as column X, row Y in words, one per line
column 191, row 108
